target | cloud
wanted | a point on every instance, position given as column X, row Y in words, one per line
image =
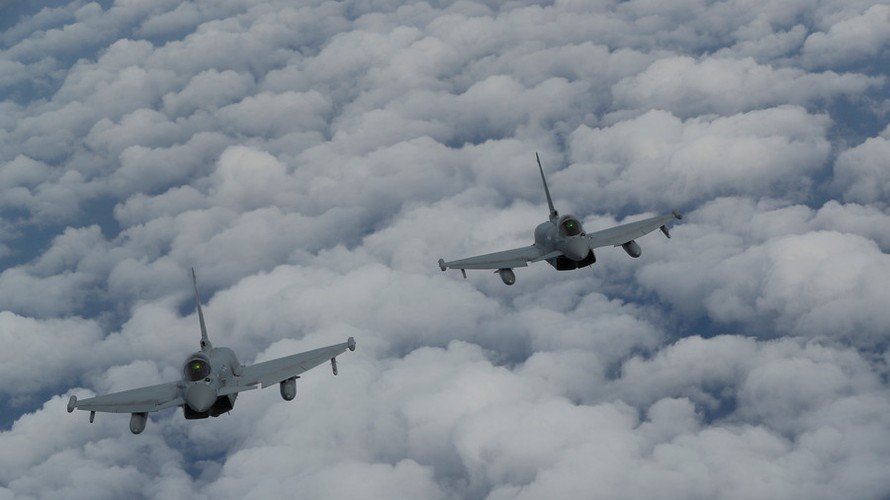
column 689, row 87
column 208, row 90
column 851, row 36
column 36, row 357
column 801, row 274
column 658, row 160
column 313, row 162
column 861, row 173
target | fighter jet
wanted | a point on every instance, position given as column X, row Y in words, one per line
column 562, row 242
column 211, row 380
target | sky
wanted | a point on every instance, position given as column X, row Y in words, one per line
column 313, row 160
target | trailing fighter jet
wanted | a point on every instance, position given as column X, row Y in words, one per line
column 211, row 380
column 562, row 242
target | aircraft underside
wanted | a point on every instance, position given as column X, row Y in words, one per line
column 566, row 264
column 222, row 405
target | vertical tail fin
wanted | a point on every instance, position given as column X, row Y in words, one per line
column 553, row 213
column 205, row 342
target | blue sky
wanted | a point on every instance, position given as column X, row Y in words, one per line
column 313, row 161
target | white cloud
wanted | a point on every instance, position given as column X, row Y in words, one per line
column 658, row 160
column 853, row 37
column 41, row 354
column 41, row 296
column 209, row 89
column 788, row 269
column 690, row 87
column 863, row 172
column 313, row 162
column 23, row 172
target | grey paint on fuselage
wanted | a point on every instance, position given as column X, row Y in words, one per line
column 571, row 244
column 562, row 242
column 201, row 392
column 211, row 380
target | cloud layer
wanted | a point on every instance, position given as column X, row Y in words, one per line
column 314, row 161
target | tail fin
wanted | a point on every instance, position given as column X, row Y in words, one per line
column 553, row 213
column 205, row 342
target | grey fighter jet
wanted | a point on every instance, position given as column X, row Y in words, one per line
column 562, row 242
column 211, row 380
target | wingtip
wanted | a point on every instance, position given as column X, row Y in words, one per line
column 677, row 215
column 72, row 403
column 350, row 343
column 442, row 264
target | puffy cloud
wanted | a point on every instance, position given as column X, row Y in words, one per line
column 22, row 170
column 861, row 172
column 207, row 90
column 313, row 162
column 791, row 267
column 43, row 295
column 851, row 37
column 149, row 169
column 43, row 354
column 715, row 85
column 88, row 465
column 658, row 160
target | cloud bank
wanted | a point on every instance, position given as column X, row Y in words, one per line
column 314, row 161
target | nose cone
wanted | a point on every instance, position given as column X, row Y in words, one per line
column 200, row 397
column 577, row 248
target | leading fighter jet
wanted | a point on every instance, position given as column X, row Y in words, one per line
column 562, row 242
column 211, row 380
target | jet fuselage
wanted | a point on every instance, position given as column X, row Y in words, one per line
column 205, row 374
column 565, row 234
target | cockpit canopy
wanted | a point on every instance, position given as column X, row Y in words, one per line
column 197, row 367
column 570, row 226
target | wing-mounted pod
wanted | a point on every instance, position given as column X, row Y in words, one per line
column 288, row 388
column 633, row 248
column 507, row 276
column 137, row 422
